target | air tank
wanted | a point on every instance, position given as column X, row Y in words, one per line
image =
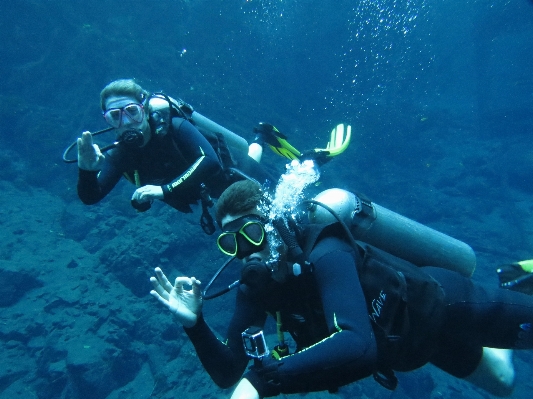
column 394, row 233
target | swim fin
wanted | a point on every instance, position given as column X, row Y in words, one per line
column 517, row 276
column 277, row 141
column 338, row 142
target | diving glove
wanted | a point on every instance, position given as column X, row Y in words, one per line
column 287, row 232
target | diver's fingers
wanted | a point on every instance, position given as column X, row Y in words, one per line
column 180, row 281
column 158, row 288
column 97, row 150
column 86, row 139
column 196, row 286
column 163, row 280
column 159, row 298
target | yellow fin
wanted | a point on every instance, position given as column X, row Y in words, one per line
column 527, row 265
column 338, row 141
column 285, row 149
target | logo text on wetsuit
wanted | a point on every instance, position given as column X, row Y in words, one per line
column 377, row 305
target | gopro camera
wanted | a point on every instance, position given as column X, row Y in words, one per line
column 254, row 343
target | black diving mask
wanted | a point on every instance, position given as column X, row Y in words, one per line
column 243, row 236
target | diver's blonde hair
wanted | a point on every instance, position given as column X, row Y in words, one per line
column 123, row 87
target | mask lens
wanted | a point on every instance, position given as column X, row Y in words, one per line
column 135, row 112
column 254, row 232
column 113, row 117
column 227, row 243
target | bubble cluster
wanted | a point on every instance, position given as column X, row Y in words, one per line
column 288, row 195
column 381, row 52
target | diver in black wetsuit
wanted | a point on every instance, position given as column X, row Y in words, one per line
column 353, row 311
column 170, row 164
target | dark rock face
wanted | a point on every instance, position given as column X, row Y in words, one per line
column 441, row 117
column 13, row 286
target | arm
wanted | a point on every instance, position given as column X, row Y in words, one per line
column 193, row 148
column 204, row 163
column 349, row 353
column 225, row 362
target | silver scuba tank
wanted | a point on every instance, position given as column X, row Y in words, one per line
column 394, row 233
column 233, row 140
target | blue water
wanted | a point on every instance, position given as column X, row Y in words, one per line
column 439, row 95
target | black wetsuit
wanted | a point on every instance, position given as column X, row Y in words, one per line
column 178, row 161
column 326, row 313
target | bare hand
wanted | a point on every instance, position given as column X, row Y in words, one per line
column 147, row 193
column 89, row 155
column 185, row 305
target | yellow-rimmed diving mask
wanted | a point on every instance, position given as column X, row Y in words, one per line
column 243, row 236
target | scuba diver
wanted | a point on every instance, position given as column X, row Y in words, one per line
column 352, row 309
column 170, row 152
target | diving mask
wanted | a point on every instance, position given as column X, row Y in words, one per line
column 243, row 236
column 115, row 116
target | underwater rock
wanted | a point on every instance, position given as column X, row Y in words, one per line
column 14, row 284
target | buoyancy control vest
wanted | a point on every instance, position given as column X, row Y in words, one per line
column 163, row 108
column 403, row 303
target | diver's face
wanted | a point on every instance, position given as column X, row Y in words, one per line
column 261, row 255
column 127, row 122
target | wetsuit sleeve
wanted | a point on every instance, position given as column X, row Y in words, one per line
column 195, row 148
column 93, row 186
column 349, row 353
column 226, row 361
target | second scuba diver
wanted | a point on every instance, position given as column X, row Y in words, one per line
column 160, row 150
column 353, row 310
